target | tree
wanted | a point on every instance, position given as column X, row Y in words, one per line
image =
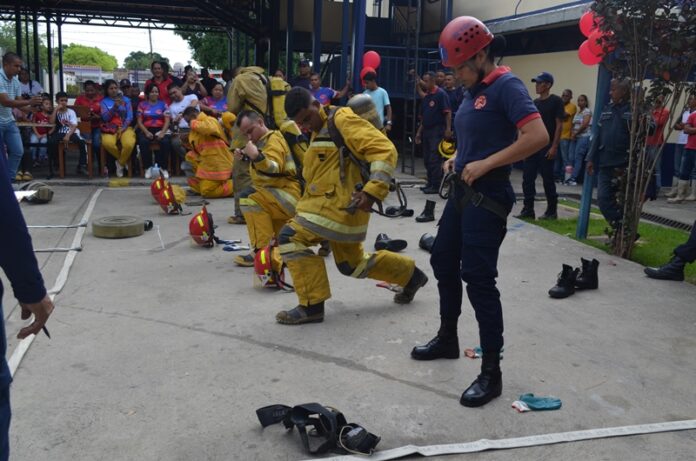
column 8, row 43
column 654, row 45
column 138, row 60
column 88, row 56
column 210, row 48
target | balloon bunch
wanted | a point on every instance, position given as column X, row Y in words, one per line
column 371, row 61
column 598, row 43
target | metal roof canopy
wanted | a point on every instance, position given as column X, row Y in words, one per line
column 211, row 16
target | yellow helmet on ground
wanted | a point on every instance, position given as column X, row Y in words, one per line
column 447, row 148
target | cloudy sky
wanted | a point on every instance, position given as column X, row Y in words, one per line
column 119, row 41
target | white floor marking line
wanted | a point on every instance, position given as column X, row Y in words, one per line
column 23, row 346
column 520, row 442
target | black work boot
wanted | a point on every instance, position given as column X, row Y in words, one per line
column 566, row 283
column 383, row 242
column 418, row 280
column 488, row 385
column 426, row 242
column 428, row 213
column 673, row 270
column 588, row 278
column 526, row 213
column 551, row 209
column 314, row 313
column 440, row 347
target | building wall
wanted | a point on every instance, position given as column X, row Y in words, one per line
column 493, row 9
column 567, row 70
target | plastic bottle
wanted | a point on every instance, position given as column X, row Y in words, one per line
column 155, row 171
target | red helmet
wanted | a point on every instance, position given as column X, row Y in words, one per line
column 167, row 200
column 269, row 267
column 157, row 187
column 461, row 39
column 201, row 228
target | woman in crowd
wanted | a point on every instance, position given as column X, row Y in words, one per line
column 580, row 138
column 118, row 137
column 92, row 99
column 471, row 231
column 193, row 86
column 153, row 124
column 161, row 78
column 215, row 104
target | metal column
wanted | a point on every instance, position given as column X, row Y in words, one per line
column 37, row 62
column 18, row 31
column 289, row 38
column 601, row 99
column 359, row 19
column 230, row 48
column 61, row 77
column 316, row 37
column 274, row 42
column 27, row 57
column 49, row 59
column 345, row 35
column 448, row 11
column 238, row 46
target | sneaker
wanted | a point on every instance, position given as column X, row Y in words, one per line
column 571, row 182
column 236, row 220
column 26, row 176
column 119, row 170
column 19, row 176
column 148, row 173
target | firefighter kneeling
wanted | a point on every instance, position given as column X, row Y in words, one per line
column 271, row 200
column 209, row 155
column 321, row 212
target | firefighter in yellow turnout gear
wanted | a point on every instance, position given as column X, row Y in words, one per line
column 271, row 200
column 321, row 212
column 210, row 156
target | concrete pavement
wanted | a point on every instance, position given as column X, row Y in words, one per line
column 162, row 350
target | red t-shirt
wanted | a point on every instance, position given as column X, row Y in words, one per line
column 162, row 87
column 691, row 141
column 661, row 117
column 40, row 117
column 93, row 104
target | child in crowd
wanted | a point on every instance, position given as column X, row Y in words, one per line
column 39, row 135
column 65, row 130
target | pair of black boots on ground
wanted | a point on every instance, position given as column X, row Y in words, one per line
column 580, row 278
column 427, row 215
column 489, row 383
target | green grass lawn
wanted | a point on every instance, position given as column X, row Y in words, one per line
column 653, row 249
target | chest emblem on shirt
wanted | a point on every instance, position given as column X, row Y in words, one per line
column 431, row 103
column 480, row 102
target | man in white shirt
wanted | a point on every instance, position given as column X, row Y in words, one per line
column 176, row 109
column 28, row 86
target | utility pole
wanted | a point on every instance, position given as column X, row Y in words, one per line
column 149, row 32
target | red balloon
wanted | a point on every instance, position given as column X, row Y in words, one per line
column 588, row 23
column 595, row 42
column 586, row 56
column 371, row 59
column 365, row 71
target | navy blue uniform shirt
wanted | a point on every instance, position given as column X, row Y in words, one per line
column 455, row 98
column 434, row 108
column 610, row 146
column 490, row 115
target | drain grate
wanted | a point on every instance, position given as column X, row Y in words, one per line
column 665, row 221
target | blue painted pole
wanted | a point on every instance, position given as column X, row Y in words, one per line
column 345, row 36
column 316, row 37
column 359, row 19
column 602, row 98
column 289, row 38
column 448, row 12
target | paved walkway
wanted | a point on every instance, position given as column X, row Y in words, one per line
column 162, row 350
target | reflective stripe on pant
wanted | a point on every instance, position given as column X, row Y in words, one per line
column 263, row 215
column 466, row 249
column 127, row 139
column 210, row 189
column 15, row 148
column 309, row 273
column 242, row 181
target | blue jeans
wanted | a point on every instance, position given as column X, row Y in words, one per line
column 606, row 195
column 5, row 380
column 578, row 151
column 687, row 164
column 563, row 156
column 15, row 148
column 651, row 152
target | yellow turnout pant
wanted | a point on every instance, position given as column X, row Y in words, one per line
column 309, row 273
column 127, row 139
column 210, row 188
column 264, row 217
